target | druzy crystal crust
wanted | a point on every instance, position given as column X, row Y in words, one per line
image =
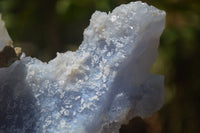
column 102, row 85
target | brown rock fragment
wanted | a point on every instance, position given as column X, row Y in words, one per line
column 8, row 55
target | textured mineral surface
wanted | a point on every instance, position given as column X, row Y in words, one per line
column 102, row 85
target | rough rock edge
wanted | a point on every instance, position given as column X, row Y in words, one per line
column 8, row 54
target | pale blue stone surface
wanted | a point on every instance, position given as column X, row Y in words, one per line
column 102, row 85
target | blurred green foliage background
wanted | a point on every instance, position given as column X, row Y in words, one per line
column 44, row 27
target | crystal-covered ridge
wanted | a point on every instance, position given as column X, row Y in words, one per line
column 102, row 85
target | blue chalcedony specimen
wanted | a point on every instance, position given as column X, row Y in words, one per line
column 102, row 85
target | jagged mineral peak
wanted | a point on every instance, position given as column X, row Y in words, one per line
column 102, row 85
column 5, row 39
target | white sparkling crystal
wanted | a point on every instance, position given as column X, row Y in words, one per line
column 102, row 85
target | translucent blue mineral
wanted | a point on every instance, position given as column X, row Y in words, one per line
column 102, row 85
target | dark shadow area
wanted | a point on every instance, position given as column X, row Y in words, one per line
column 136, row 125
